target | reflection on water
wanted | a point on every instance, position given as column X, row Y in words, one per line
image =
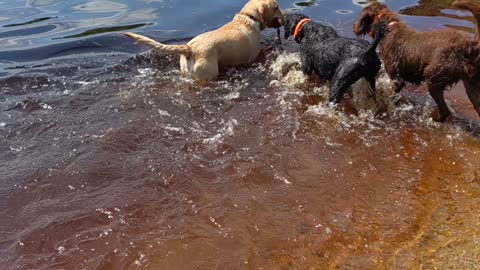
column 107, row 30
column 305, row 3
column 30, row 22
column 51, row 19
column 100, row 6
column 113, row 160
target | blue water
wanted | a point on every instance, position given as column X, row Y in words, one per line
column 33, row 24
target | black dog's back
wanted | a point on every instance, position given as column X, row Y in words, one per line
column 326, row 55
column 331, row 51
column 339, row 59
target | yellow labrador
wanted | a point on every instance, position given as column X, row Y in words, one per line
column 235, row 43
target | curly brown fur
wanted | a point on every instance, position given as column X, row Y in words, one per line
column 440, row 58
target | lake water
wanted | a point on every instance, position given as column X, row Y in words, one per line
column 111, row 159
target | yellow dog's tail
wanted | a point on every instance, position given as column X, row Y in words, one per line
column 472, row 7
column 159, row 47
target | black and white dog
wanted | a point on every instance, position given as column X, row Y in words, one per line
column 341, row 60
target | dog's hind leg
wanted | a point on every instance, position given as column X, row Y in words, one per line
column 436, row 91
column 440, row 76
column 473, row 91
column 307, row 67
column 342, row 80
column 205, row 69
column 392, row 71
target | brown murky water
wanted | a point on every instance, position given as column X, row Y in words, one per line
column 119, row 162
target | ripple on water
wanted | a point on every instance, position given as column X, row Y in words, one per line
column 306, row 3
column 144, row 168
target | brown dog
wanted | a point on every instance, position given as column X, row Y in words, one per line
column 440, row 57
column 236, row 43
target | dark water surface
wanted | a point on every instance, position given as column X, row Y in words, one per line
column 110, row 159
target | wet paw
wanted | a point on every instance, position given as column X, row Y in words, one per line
column 442, row 118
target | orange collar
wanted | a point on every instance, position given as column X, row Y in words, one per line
column 379, row 16
column 299, row 27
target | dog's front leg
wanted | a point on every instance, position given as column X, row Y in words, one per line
column 436, row 91
column 398, row 82
column 398, row 85
column 307, row 67
column 473, row 91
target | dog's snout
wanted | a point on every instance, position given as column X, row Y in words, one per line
column 277, row 22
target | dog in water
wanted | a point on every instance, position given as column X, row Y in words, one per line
column 236, row 43
column 341, row 60
column 441, row 58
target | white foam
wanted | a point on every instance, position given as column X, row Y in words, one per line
column 17, row 149
column 145, row 72
column 45, row 106
column 227, row 130
column 84, row 83
column 180, row 130
column 232, row 95
column 163, row 113
column 287, row 71
column 383, row 99
column 61, row 249
column 286, row 68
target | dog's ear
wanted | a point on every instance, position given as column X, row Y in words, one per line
column 261, row 14
column 364, row 23
column 255, row 9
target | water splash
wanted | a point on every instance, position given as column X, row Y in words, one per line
column 286, row 70
column 226, row 130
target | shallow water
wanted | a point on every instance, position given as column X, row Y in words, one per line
column 110, row 159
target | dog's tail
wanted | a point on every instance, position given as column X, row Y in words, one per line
column 159, row 47
column 472, row 7
column 379, row 30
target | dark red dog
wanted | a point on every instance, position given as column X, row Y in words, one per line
column 441, row 58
